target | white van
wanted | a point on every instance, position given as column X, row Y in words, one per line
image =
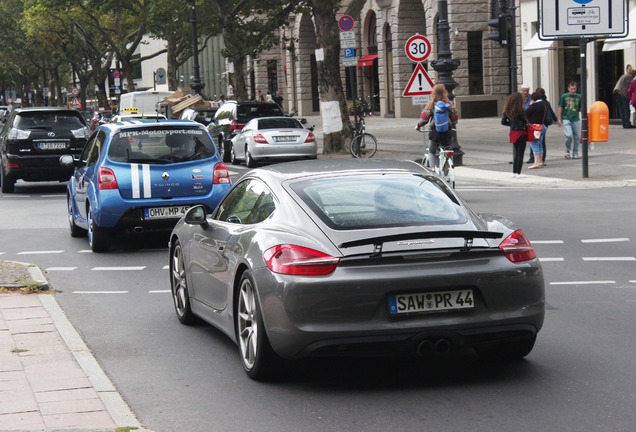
column 144, row 102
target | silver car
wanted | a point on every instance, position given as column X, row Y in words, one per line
column 355, row 256
column 272, row 139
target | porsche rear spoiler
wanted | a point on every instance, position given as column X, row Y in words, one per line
column 378, row 242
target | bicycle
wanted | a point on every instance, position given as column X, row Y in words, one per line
column 363, row 144
column 445, row 167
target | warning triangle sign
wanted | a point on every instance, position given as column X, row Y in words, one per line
column 420, row 83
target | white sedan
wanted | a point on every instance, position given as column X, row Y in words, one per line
column 271, row 139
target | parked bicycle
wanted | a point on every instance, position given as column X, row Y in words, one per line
column 363, row 144
column 442, row 162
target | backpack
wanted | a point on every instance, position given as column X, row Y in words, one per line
column 441, row 116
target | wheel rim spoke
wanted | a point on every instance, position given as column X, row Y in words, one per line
column 248, row 328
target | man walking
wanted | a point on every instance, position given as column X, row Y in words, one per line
column 569, row 108
column 623, row 98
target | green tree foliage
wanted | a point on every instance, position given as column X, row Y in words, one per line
column 248, row 27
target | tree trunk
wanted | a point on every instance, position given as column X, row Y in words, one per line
column 333, row 106
column 238, row 80
column 173, row 64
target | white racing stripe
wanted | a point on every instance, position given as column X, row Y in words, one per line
column 147, row 185
column 134, row 180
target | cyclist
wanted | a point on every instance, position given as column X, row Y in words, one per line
column 438, row 110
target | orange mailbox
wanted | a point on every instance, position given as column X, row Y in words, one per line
column 598, row 122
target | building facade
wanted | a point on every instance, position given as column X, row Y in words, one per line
column 382, row 28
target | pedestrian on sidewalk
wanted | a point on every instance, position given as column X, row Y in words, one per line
column 515, row 117
column 622, row 94
column 569, row 108
column 440, row 135
column 538, row 113
column 525, row 92
column 631, row 92
column 549, row 120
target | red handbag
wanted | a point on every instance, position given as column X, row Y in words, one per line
column 534, row 131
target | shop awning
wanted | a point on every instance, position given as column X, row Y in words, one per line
column 536, row 47
column 625, row 42
column 367, row 60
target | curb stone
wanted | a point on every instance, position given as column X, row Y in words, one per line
column 15, row 275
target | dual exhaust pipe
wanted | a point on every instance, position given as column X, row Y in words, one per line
column 429, row 347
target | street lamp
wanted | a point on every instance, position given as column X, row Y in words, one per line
column 196, row 85
column 445, row 65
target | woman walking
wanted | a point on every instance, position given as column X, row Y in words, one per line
column 515, row 117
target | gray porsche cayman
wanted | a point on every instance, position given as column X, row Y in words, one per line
column 355, row 256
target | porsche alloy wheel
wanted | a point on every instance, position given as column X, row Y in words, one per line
column 179, row 286
column 259, row 360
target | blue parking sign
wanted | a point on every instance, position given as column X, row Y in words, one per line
column 349, row 52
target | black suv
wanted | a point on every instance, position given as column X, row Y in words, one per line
column 32, row 141
column 232, row 116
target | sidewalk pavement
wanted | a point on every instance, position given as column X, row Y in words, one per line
column 49, row 379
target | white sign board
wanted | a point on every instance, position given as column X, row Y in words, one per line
column 350, row 61
column 582, row 18
column 420, row 83
column 347, row 39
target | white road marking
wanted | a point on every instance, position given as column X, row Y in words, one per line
column 159, row 291
column 166, row 267
column 583, row 283
column 53, row 196
column 85, row 251
column 61, row 268
column 608, row 240
column 546, row 242
column 100, row 292
column 609, row 258
column 133, row 268
column 40, row 252
column 551, row 259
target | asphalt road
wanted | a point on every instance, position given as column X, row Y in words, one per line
column 176, row 378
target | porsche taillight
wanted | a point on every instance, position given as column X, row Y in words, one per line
column 517, row 248
column 106, row 179
column 220, row 174
column 298, row 260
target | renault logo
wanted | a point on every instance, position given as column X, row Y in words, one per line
column 165, row 176
column 51, row 134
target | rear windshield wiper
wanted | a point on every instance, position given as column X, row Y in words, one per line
column 378, row 242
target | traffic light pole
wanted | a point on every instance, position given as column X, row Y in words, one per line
column 512, row 46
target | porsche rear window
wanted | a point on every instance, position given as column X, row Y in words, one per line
column 381, row 201
column 160, row 145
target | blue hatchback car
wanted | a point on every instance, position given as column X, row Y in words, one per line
column 139, row 176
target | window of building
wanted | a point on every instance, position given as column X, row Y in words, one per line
column 272, row 76
column 475, row 63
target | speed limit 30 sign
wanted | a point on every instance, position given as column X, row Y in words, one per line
column 417, row 48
